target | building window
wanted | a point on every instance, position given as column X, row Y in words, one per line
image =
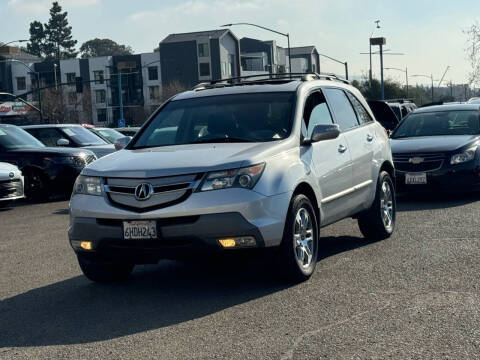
column 152, row 73
column 224, row 68
column 70, row 77
column 72, row 98
column 101, row 115
column 98, row 76
column 203, row 50
column 21, row 83
column 154, row 92
column 100, row 96
column 231, row 64
column 204, row 69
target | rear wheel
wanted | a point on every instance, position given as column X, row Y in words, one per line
column 103, row 272
column 298, row 251
column 378, row 222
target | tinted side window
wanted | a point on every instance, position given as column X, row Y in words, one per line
column 342, row 109
column 316, row 112
column 362, row 114
column 48, row 136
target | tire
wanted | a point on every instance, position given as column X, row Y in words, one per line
column 103, row 272
column 298, row 251
column 35, row 185
column 5, row 204
column 378, row 223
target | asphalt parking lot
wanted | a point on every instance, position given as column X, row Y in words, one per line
column 415, row 295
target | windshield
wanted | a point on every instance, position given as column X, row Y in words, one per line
column 82, row 136
column 255, row 117
column 459, row 122
column 14, row 138
column 111, row 135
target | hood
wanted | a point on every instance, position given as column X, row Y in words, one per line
column 6, row 169
column 100, row 150
column 431, row 143
column 51, row 151
column 181, row 159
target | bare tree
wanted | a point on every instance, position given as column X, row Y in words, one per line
column 53, row 106
column 171, row 89
column 473, row 52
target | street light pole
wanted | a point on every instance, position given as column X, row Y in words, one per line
column 274, row 31
column 344, row 63
column 426, row 76
column 13, row 41
column 406, row 76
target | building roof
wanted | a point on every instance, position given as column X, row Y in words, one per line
column 12, row 52
column 301, row 50
column 192, row 36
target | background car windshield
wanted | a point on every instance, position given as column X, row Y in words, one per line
column 14, row 138
column 246, row 117
column 439, row 123
column 110, row 134
column 82, row 136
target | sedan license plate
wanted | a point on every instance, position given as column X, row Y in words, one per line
column 134, row 230
column 416, row 179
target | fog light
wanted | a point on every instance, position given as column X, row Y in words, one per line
column 245, row 241
column 240, row 241
column 86, row 245
column 227, row 243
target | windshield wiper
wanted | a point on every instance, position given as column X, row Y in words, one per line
column 226, row 139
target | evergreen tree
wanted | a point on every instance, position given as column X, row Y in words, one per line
column 59, row 43
column 37, row 39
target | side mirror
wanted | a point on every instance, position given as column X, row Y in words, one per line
column 63, row 142
column 122, row 142
column 323, row 132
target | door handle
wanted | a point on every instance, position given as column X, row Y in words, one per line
column 369, row 138
column 342, row 148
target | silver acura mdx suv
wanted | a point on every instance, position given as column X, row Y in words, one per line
column 226, row 166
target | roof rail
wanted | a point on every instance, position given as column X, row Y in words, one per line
column 401, row 101
column 264, row 78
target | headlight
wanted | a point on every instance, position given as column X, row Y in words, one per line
column 79, row 161
column 88, row 186
column 465, row 156
column 243, row 178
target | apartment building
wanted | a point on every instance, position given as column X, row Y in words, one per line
column 190, row 58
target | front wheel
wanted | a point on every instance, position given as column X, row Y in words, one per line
column 378, row 222
column 104, row 272
column 298, row 251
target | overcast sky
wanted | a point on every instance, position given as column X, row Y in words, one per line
column 429, row 33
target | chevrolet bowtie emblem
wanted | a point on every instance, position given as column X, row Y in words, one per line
column 416, row 160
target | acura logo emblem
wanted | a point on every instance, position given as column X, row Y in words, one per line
column 416, row 160
column 143, row 191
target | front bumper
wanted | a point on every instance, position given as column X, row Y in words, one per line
column 459, row 178
column 195, row 225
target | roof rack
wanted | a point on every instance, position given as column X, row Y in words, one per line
column 401, row 101
column 268, row 78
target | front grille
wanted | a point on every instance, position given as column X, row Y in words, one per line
column 418, row 162
column 89, row 159
column 11, row 188
column 167, row 191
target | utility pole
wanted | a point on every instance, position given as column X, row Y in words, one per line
column 377, row 22
column 381, row 72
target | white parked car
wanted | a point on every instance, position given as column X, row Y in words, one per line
column 11, row 183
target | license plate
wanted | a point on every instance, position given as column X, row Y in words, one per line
column 416, row 179
column 134, row 230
